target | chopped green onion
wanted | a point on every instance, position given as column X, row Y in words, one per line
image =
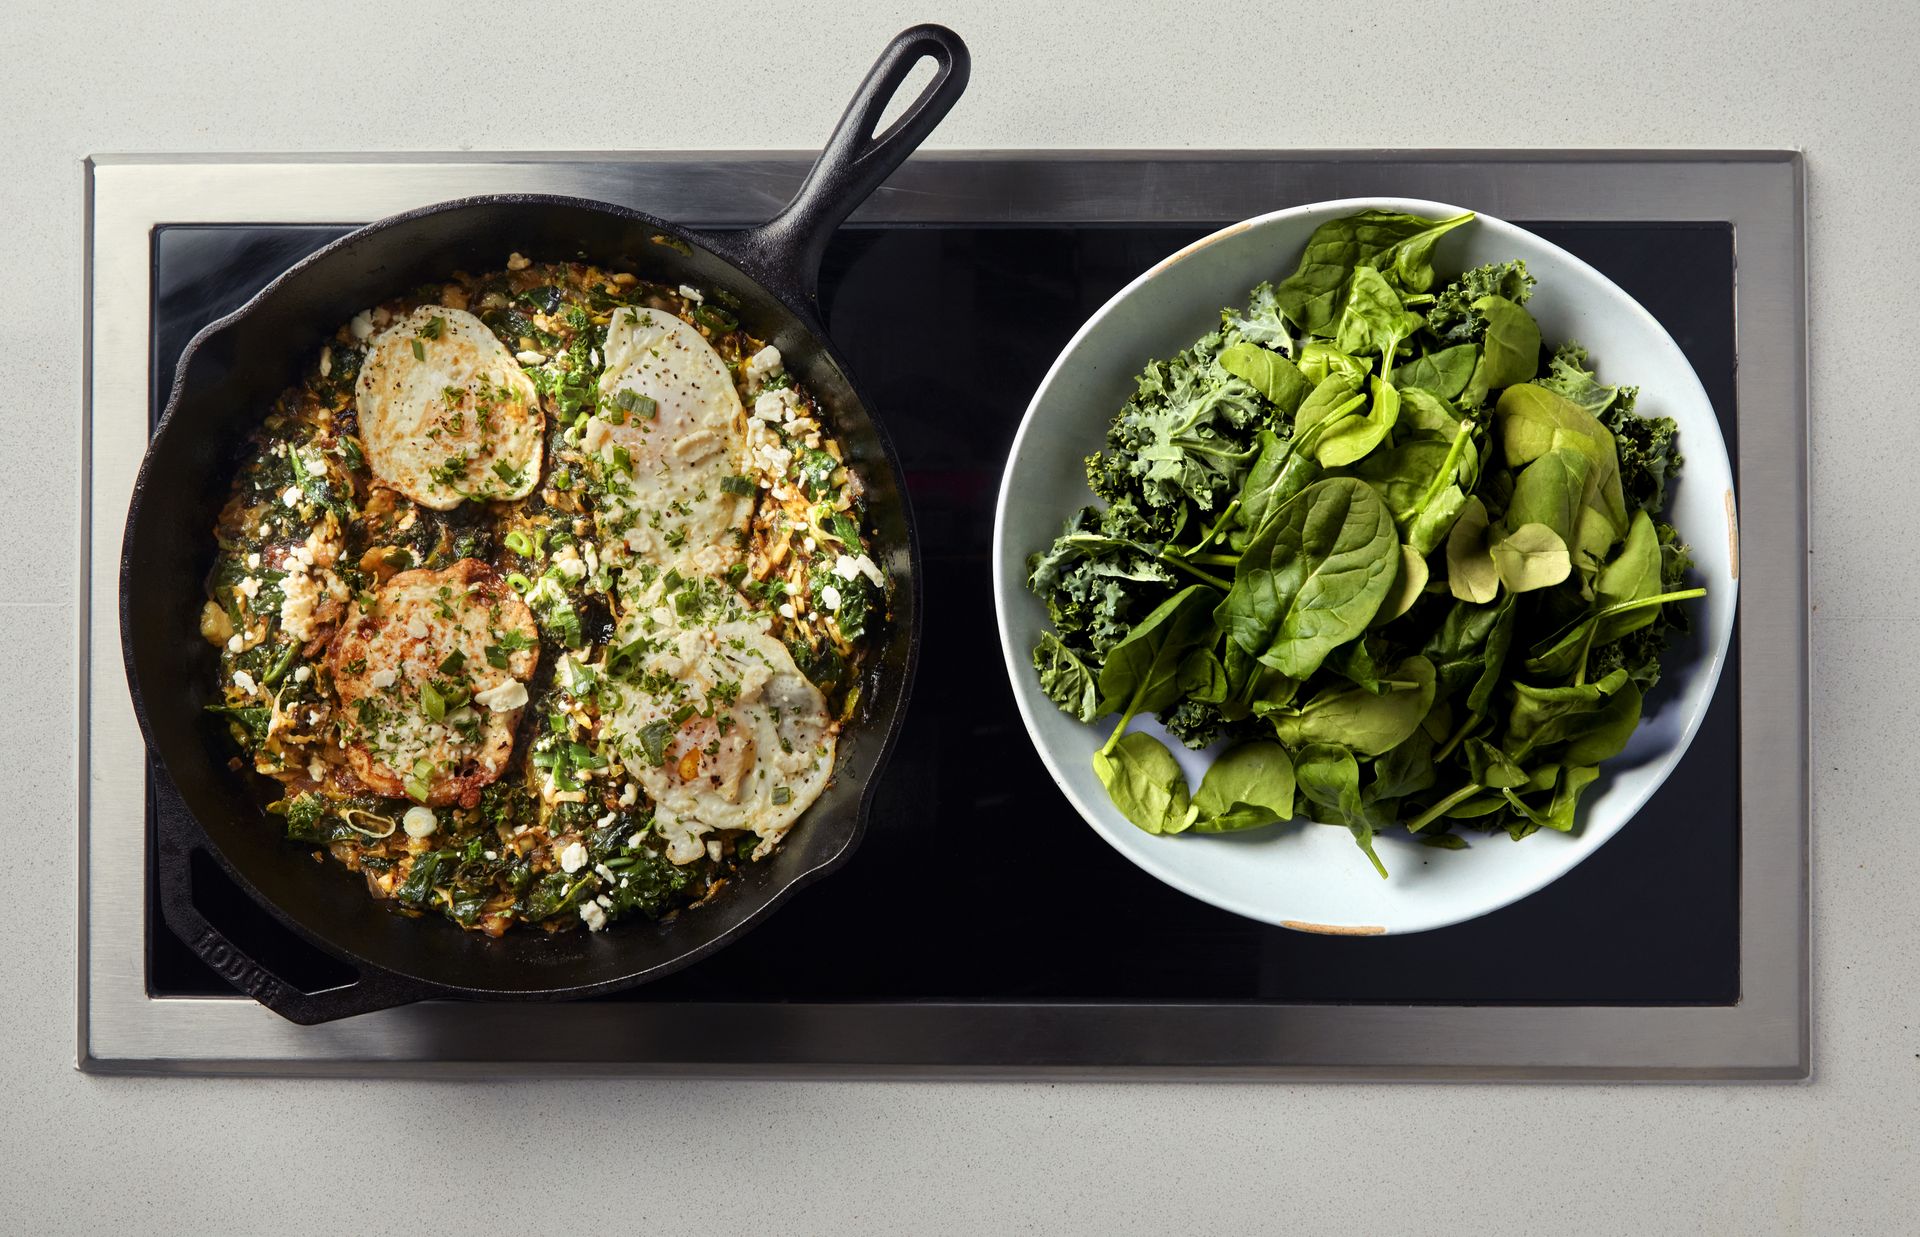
column 519, row 543
column 519, row 583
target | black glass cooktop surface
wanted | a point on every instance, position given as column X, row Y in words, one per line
column 977, row 881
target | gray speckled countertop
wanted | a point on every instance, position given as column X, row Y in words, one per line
column 1837, row 1155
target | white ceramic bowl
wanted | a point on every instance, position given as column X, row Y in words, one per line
column 1303, row 875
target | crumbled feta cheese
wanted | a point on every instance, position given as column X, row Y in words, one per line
column 326, row 362
column 776, row 405
column 491, row 855
column 248, row 588
column 763, row 364
column 316, row 770
column 633, row 843
column 573, row 857
column 568, row 563
column 787, row 610
column 243, row 681
column 291, row 496
column 713, row 849
column 629, row 794
column 604, row 872
column 253, row 561
column 830, row 597
column 383, row 678
column 593, row 916
column 526, row 356
column 417, row 627
column 361, row 328
column 313, row 717
column 692, row 294
column 604, row 900
column 811, row 545
column 597, row 435
column 606, row 820
column 302, row 673
column 504, row 698
column 236, row 642
column 419, row 822
column 848, row 566
column 300, row 595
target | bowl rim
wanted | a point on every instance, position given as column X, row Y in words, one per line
column 1588, row 838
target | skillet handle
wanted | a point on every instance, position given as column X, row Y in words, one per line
column 370, row 991
column 788, row 249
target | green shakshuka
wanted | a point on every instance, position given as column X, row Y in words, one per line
column 544, row 597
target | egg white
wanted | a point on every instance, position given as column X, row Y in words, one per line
column 743, row 739
column 447, row 413
column 669, row 442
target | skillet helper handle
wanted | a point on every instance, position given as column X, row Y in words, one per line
column 371, row 991
column 857, row 160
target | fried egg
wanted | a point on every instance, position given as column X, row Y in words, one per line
column 446, row 412
column 432, row 679
column 669, row 442
column 720, row 728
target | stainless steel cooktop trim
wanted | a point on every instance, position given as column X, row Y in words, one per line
column 1765, row 1036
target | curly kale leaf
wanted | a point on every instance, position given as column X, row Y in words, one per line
column 1186, row 437
column 1648, row 458
column 1452, row 318
column 1068, row 681
column 1093, row 583
column 1195, row 723
column 1263, row 322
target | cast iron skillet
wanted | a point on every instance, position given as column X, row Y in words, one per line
column 232, row 371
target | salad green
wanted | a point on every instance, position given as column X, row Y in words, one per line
column 1362, row 538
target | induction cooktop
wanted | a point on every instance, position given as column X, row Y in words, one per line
column 981, row 919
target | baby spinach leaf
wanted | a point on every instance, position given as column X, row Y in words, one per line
column 1271, row 374
column 1349, row 437
column 1462, row 645
column 1066, row 679
column 1145, row 783
column 1566, row 797
column 1386, row 240
column 1372, row 319
column 1633, row 575
column 1436, row 518
column 1472, row 575
column 1543, row 716
column 1246, row 787
column 1533, row 421
column 1406, row 770
column 1357, row 718
column 1407, row 587
column 1283, row 468
column 1251, row 684
column 1551, row 491
column 1320, row 360
column 1423, row 411
column 1315, row 576
column 1532, row 556
column 1203, row 678
column 1489, row 766
column 1333, row 398
column 1511, row 351
column 1142, row 672
column 1445, row 373
column 1329, row 777
column 1607, row 734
